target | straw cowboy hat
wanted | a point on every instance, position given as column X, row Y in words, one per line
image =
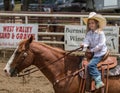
column 98, row 17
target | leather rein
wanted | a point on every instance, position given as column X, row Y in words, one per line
column 27, row 72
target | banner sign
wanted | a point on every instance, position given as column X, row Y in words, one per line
column 74, row 36
column 112, row 38
column 12, row 34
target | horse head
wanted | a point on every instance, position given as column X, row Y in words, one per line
column 21, row 58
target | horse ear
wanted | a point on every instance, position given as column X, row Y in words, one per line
column 28, row 42
column 30, row 39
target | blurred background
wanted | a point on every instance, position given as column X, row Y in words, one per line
column 60, row 5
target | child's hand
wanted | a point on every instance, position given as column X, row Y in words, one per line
column 81, row 46
column 89, row 54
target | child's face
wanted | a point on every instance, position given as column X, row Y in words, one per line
column 92, row 24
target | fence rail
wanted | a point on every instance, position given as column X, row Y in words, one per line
column 51, row 25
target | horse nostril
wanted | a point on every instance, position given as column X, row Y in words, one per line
column 5, row 71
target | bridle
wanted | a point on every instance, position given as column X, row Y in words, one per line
column 28, row 70
column 25, row 54
column 25, row 72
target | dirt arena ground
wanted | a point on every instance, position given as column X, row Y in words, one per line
column 35, row 83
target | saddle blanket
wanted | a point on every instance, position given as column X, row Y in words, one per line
column 115, row 71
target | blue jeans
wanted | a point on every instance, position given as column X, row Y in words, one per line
column 92, row 67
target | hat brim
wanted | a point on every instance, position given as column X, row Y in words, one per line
column 99, row 18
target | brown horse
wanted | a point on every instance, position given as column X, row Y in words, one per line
column 41, row 55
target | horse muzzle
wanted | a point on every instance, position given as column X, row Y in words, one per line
column 6, row 72
column 12, row 72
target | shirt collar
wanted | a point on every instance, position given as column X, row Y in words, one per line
column 94, row 31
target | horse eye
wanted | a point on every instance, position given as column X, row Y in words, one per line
column 25, row 54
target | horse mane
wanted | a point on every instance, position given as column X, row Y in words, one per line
column 52, row 48
column 21, row 43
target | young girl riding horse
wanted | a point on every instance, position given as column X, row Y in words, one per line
column 96, row 40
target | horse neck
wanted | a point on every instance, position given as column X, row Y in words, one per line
column 44, row 56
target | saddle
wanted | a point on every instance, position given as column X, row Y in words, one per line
column 105, row 64
column 111, row 61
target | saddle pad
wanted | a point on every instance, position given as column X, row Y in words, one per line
column 115, row 71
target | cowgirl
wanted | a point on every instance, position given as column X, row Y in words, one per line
column 96, row 40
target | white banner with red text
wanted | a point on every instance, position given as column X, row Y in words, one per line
column 12, row 34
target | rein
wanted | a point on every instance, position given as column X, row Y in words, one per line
column 73, row 74
column 28, row 70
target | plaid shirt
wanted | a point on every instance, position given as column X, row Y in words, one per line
column 97, row 42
